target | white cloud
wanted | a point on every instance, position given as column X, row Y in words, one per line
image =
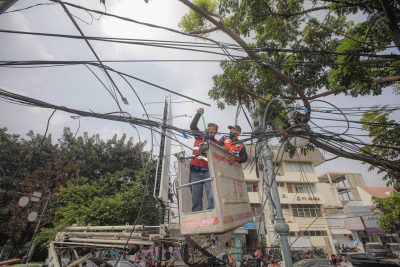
column 15, row 46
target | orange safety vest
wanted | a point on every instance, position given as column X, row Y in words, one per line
column 258, row 254
column 232, row 146
column 199, row 160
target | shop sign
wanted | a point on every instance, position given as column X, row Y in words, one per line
column 307, row 198
column 299, row 198
column 250, row 225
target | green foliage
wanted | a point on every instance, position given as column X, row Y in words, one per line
column 241, row 78
column 192, row 21
column 93, row 182
column 112, row 200
column 384, row 134
column 390, row 207
column 292, row 24
column 324, row 47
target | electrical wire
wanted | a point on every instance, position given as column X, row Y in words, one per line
column 358, row 122
column 114, row 85
column 28, row 7
column 29, row 156
column 152, row 84
column 54, row 63
column 344, row 115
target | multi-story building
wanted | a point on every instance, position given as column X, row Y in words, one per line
column 304, row 200
column 357, row 221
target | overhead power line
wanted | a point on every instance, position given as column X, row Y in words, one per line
column 38, row 103
column 195, row 47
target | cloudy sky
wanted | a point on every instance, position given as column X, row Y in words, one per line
column 76, row 87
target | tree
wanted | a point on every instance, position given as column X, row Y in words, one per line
column 300, row 50
column 390, row 207
column 109, row 173
column 385, row 134
column 114, row 199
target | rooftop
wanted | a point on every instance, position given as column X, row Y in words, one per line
column 335, row 176
column 378, row 191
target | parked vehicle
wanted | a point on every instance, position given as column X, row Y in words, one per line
column 394, row 248
column 121, row 263
column 378, row 250
column 313, row 263
column 368, row 260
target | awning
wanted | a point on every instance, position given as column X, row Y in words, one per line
column 375, row 231
column 340, row 231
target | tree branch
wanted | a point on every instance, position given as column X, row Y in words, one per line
column 326, row 93
column 377, row 60
column 254, row 56
column 330, row 92
column 301, row 12
column 216, row 15
column 388, row 79
column 355, row 4
column 204, row 31
column 361, row 157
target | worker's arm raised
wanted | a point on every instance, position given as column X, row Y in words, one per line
column 193, row 124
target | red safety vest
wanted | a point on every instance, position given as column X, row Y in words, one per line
column 200, row 159
column 232, row 146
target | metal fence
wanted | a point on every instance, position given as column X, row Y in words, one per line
column 298, row 253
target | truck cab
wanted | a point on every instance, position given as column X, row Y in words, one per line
column 378, row 250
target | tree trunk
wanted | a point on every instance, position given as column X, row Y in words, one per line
column 392, row 22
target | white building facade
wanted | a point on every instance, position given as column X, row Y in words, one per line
column 304, row 199
column 356, row 222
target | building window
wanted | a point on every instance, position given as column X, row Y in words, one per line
column 281, row 184
column 315, row 233
column 292, row 233
column 249, row 188
column 309, row 211
column 346, row 196
column 301, row 188
column 290, row 188
column 285, row 206
column 298, row 166
column 252, row 187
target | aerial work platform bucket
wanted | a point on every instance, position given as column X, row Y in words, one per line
column 231, row 201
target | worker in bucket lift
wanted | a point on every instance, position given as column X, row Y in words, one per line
column 199, row 164
column 232, row 144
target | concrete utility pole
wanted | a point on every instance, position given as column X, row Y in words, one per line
column 271, row 190
column 281, row 227
column 159, row 172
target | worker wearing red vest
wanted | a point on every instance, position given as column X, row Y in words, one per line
column 199, row 164
column 233, row 145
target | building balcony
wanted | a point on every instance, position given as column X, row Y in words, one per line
column 296, row 177
column 300, row 223
column 254, row 198
column 250, row 176
column 301, row 198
